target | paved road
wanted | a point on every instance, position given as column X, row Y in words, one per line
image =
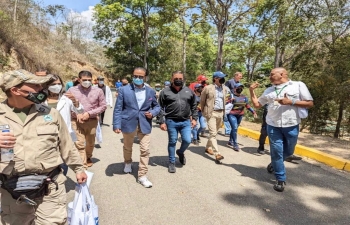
column 237, row 192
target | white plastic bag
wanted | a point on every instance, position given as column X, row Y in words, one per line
column 228, row 108
column 83, row 210
column 98, row 133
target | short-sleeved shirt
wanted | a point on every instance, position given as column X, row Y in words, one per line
column 284, row 115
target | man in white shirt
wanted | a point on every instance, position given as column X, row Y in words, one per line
column 108, row 95
column 285, row 99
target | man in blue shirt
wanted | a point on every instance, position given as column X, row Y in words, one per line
column 118, row 84
column 71, row 83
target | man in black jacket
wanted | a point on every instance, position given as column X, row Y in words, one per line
column 180, row 112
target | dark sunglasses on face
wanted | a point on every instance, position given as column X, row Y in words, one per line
column 139, row 77
column 178, row 79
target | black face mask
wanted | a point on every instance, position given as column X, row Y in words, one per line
column 178, row 83
column 239, row 90
column 76, row 83
column 222, row 80
column 38, row 97
column 199, row 90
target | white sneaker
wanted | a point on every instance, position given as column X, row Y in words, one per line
column 127, row 168
column 145, row 182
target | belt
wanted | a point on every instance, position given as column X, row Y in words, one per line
column 218, row 110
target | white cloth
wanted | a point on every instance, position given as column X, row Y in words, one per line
column 109, row 97
column 284, row 115
column 65, row 106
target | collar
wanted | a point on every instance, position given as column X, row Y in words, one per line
column 278, row 86
column 141, row 88
column 216, row 86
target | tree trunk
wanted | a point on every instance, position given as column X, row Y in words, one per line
column 184, row 43
column 220, row 51
column 340, row 118
column 145, row 57
column 278, row 53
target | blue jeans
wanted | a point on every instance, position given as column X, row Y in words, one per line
column 234, row 121
column 282, row 144
column 201, row 125
column 227, row 125
column 175, row 127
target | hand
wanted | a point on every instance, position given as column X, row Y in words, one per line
column 255, row 115
column 284, row 101
column 254, row 86
column 81, row 177
column 86, row 116
column 163, row 127
column 71, row 97
column 117, row 131
column 80, row 118
column 7, row 140
column 148, row 115
column 193, row 123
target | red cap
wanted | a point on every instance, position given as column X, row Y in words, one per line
column 202, row 78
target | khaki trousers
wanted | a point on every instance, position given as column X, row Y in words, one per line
column 86, row 133
column 214, row 124
column 50, row 210
column 145, row 140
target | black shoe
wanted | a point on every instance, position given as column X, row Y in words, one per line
column 292, row 157
column 195, row 142
column 182, row 157
column 270, row 168
column 279, row 186
column 199, row 140
column 171, row 168
column 261, row 151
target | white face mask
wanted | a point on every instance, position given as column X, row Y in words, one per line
column 55, row 88
column 86, row 84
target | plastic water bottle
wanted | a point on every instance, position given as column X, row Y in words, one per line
column 6, row 153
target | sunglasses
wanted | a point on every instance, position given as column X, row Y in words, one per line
column 178, row 79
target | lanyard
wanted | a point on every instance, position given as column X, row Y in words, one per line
column 278, row 93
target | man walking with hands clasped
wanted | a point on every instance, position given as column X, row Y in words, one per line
column 135, row 107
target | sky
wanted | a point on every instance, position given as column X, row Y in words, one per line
column 75, row 5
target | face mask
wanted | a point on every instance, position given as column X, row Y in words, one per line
column 101, row 82
column 199, row 90
column 157, row 89
column 204, row 82
column 38, row 97
column 86, row 84
column 178, row 83
column 137, row 81
column 222, row 80
column 55, row 88
column 239, row 90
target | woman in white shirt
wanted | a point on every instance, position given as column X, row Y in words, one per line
column 65, row 104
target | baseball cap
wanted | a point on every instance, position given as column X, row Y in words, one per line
column 237, row 85
column 202, row 78
column 157, row 85
column 197, row 85
column 219, row 74
column 16, row 77
column 167, row 83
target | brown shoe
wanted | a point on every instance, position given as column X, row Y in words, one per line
column 89, row 162
column 209, row 151
column 219, row 157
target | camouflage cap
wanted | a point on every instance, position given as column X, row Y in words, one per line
column 15, row 77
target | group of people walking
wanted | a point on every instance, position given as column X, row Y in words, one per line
column 46, row 128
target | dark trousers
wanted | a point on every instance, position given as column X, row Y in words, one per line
column 102, row 116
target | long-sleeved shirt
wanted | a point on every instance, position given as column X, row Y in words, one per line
column 239, row 103
column 178, row 105
column 92, row 99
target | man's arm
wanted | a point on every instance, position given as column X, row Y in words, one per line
column 253, row 97
column 117, row 123
column 204, row 96
column 194, row 110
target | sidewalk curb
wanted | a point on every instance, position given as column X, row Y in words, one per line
column 328, row 159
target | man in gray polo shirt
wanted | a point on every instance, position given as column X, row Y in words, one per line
column 285, row 99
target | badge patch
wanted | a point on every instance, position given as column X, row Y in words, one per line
column 48, row 118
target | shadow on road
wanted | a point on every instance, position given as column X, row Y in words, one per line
column 163, row 161
column 200, row 150
column 136, row 140
column 314, row 202
column 118, row 169
column 70, row 184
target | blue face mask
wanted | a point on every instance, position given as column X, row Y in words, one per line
column 137, row 81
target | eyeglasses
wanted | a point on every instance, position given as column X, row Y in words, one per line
column 178, row 79
column 86, row 79
column 137, row 76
